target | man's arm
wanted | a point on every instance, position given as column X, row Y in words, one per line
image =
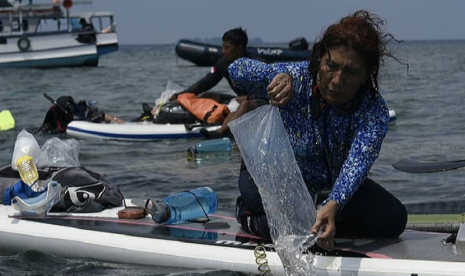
column 211, row 79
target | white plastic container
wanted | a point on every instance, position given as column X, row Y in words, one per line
column 39, row 205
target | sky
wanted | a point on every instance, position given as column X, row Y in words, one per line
column 167, row 21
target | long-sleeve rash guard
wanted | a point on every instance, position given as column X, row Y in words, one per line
column 337, row 149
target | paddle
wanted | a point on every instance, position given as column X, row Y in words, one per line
column 431, row 167
column 55, row 103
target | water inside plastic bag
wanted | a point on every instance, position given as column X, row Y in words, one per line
column 269, row 157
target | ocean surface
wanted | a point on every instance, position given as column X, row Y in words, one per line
column 428, row 97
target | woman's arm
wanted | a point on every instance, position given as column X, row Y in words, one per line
column 365, row 148
column 250, row 75
column 255, row 76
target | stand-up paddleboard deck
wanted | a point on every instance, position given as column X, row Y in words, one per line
column 220, row 244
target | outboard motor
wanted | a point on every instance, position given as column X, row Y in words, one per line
column 299, row 43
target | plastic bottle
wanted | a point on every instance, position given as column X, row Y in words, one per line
column 222, row 144
column 26, row 149
column 27, row 170
column 214, row 145
column 185, row 206
column 217, row 150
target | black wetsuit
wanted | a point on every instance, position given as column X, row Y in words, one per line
column 371, row 212
column 218, row 71
column 66, row 110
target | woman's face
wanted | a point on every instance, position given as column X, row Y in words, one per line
column 341, row 74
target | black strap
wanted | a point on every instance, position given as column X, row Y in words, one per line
column 200, row 203
column 209, row 113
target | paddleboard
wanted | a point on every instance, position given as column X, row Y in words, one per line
column 219, row 244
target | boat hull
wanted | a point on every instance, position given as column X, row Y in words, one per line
column 107, row 43
column 54, row 50
column 132, row 131
column 202, row 54
column 144, row 130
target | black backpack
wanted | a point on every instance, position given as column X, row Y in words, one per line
column 173, row 113
column 170, row 113
column 84, row 191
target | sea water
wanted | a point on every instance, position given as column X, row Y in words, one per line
column 428, row 99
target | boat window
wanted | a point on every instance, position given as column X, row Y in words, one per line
column 52, row 25
column 25, row 25
column 2, row 40
column 1, row 26
column 102, row 24
column 15, row 25
column 75, row 25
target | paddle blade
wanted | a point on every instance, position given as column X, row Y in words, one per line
column 421, row 167
column 7, row 121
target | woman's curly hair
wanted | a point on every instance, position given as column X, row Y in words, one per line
column 362, row 31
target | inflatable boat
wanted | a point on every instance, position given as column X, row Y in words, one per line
column 202, row 54
column 103, row 236
column 134, row 131
column 145, row 130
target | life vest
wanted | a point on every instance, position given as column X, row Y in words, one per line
column 207, row 110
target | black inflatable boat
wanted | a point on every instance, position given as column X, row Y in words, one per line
column 202, row 54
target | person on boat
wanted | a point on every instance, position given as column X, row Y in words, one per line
column 234, row 46
column 85, row 26
column 65, row 110
column 88, row 28
column 336, row 120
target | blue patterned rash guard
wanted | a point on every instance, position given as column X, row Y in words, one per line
column 335, row 150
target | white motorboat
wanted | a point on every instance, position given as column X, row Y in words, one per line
column 49, row 35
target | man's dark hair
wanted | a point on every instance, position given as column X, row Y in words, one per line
column 236, row 36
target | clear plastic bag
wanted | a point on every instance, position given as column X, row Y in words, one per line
column 59, row 153
column 171, row 88
column 269, row 157
column 25, row 145
column 233, row 105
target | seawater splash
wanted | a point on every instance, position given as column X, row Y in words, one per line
column 270, row 159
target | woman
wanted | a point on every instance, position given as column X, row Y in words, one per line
column 336, row 121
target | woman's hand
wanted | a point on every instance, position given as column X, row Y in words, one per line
column 325, row 219
column 280, row 89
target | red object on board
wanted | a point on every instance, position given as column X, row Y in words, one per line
column 67, row 4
